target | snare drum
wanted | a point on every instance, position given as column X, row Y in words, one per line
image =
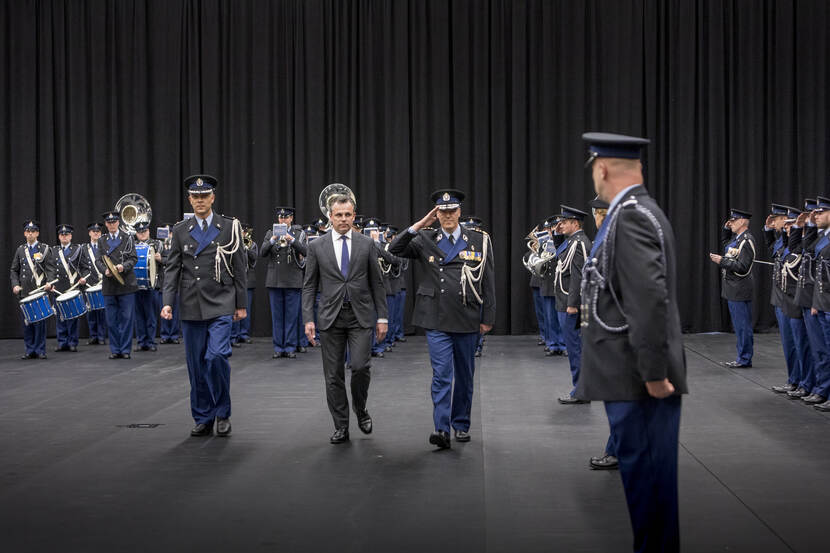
column 71, row 305
column 36, row 308
column 95, row 298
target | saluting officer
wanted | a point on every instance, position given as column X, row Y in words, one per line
column 821, row 294
column 454, row 302
column 737, row 284
column 118, row 247
column 284, row 280
column 146, row 301
column 206, row 268
column 784, row 283
column 96, row 318
column 634, row 360
column 33, row 266
column 570, row 258
column 67, row 271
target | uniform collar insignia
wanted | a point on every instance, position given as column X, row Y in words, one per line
column 464, row 237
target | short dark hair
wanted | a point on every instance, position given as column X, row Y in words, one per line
column 341, row 199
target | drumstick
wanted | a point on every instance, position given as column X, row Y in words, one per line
column 78, row 283
column 36, row 290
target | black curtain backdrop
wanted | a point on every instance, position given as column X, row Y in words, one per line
column 397, row 98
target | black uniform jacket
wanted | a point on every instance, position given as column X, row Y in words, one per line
column 804, row 242
column 568, row 279
column 72, row 259
column 363, row 284
column 776, row 242
column 821, row 290
column 89, row 256
column 252, row 254
column 191, row 270
column 787, row 268
column 285, row 264
column 616, row 365
column 738, row 253
column 121, row 252
column 439, row 298
column 44, row 264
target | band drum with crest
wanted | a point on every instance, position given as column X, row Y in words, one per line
column 36, row 308
column 71, row 305
column 145, row 267
column 95, row 297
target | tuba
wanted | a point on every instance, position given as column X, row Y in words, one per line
column 536, row 264
column 133, row 208
column 335, row 189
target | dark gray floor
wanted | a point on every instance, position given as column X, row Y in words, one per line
column 753, row 465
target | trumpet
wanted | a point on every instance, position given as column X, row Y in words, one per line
column 248, row 239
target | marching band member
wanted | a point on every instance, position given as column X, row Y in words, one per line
column 33, row 267
column 570, row 258
column 454, row 304
column 241, row 333
column 96, row 318
column 67, row 271
column 554, row 341
column 737, row 285
column 146, row 298
column 170, row 331
column 118, row 247
column 284, row 281
column 206, row 270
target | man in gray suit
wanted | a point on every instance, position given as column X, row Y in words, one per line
column 342, row 266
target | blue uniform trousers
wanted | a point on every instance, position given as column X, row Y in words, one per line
column 401, row 310
column 611, row 446
column 822, row 369
column 146, row 315
column 97, row 322
column 804, row 378
column 207, row 346
column 553, row 333
column 820, row 354
column 569, row 325
column 172, row 329
column 741, row 314
column 67, row 332
column 452, row 356
column 788, row 343
column 480, row 343
column 646, row 434
column 539, row 307
column 245, row 324
column 391, row 330
column 34, row 337
column 301, row 337
column 120, row 322
column 285, row 304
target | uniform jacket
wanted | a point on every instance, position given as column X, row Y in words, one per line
column 191, row 270
column 616, row 365
column 738, row 253
column 439, row 298
column 44, row 265
column 285, row 264
column 363, row 282
column 88, row 257
column 568, row 272
column 547, row 282
column 388, row 265
column 803, row 241
column 122, row 251
column 821, row 290
column 72, row 257
column 787, row 281
column 776, row 243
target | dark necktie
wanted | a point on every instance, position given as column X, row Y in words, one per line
column 452, row 239
column 204, row 225
column 344, row 257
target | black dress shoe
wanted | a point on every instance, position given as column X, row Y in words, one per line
column 235, row 344
column 823, row 407
column 28, row 356
column 248, row 341
column 478, row 353
column 814, row 399
column 550, row 353
column 115, row 356
column 202, row 429
column 302, row 349
column 91, row 342
column 125, row 356
column 540, row 343
column 462, row 436
column 783, row 389
column 606, row 462
column 176, row 341
column 736, row 365
column 341, row 435
column 40, row 356
column 62, row 348
column 153, row 348
column 290, row 355
column 73, row 348
column 277, row 355
column 223, row 427
column 798, row 393
column 387, row 348
column 568, row 399
column 440, row 439
column 364, row 422
column 401, row 339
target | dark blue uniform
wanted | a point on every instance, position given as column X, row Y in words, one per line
column 737, row 288
column 119, row 298
column 96, row 318
column 284, row 280
column 67, row 271
column 30, row 272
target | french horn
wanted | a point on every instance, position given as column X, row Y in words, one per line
column 133, row 208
